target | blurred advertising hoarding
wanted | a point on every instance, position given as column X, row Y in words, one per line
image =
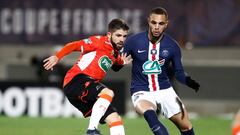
column 35, row 99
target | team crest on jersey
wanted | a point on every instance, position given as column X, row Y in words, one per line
column 153, row 67
column 87, row 41
column 105, row 63
column 165, row 53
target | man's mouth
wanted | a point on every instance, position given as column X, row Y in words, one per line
column 156, row 33
column 120, row 44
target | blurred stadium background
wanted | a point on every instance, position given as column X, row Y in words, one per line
column 30, row 30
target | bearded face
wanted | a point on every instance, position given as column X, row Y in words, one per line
column 118, row 38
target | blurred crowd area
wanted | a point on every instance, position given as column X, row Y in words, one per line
column 198, row 22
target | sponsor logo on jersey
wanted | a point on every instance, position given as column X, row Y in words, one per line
column 141, row 51
column 136, row 96
column 98, row 87
column 87, row 41
column 153, row 67
column 105, row 63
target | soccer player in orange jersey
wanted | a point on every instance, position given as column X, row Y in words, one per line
column 236, row 124
column 82, row 84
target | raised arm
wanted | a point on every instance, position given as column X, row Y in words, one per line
column 51, row 61
column 84, row 46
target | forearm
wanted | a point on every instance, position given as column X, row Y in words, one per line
column 67, row 49
column 116, row 67
column 181, row 77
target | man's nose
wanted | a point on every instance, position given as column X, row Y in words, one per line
column 122, row 39
column 157, row 26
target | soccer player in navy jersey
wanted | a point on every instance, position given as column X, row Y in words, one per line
column 152, row 52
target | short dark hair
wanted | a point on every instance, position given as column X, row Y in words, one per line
column 117, row 24
column 159, row 11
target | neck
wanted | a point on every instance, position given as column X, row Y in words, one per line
column 154, row 39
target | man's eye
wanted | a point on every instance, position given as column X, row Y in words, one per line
column 154, row 23
column 162, row 23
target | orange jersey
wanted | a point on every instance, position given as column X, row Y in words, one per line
column 96, row 58
column 236, row 130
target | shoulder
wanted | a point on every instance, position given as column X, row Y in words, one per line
column 140, row 35
column 170, row 41
column 95, row 39
column 137, row 38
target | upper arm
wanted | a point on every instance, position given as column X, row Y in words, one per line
column 177, row 57
column 84, row 46
column 68, row 48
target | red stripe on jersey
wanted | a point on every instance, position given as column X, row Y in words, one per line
column 152, row 76
column 153, row 83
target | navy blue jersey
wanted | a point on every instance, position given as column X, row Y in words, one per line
column 151, row 62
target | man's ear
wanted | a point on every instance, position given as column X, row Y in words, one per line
column 166, row 24
column 109, row 34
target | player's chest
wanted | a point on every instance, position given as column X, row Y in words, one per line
column 152, row 52
column 105, row 56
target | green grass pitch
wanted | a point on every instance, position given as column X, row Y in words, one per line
column 77, row 126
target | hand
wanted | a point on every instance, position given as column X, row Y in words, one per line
column 192, row 83
column 50, row 62
column 127, row 59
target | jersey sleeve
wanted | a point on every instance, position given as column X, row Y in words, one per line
column 177, row 65
column 118, row 64
column 84, row 46
column 119, row 60
column 127, row 47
